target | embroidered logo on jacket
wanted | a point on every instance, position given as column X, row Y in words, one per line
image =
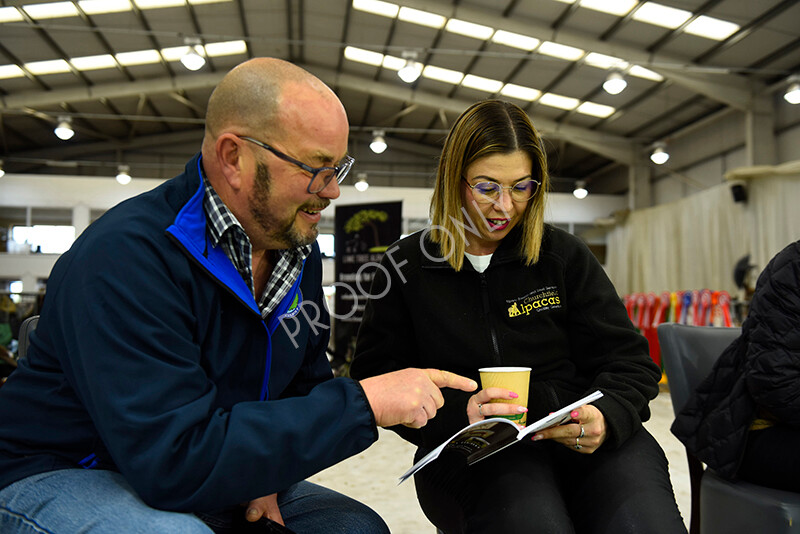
column 540, row 300
column 294, row 308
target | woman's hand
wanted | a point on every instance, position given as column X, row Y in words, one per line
column 584, row 434
column 264, row 507
column 479, row 406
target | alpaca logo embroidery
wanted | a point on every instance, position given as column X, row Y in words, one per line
column 539, row 300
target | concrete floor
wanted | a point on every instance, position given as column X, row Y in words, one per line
column 371, row 477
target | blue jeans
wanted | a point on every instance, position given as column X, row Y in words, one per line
column 96, row 501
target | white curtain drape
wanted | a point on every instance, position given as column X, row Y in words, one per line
column 695, row 242
column 775, row 215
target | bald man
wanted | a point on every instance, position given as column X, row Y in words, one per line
column 163, row 390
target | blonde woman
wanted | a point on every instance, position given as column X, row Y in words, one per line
column 490, row 284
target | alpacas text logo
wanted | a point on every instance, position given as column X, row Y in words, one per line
column 546, row 298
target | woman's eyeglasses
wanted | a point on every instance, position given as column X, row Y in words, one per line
column 320, row 176
column 485, row 192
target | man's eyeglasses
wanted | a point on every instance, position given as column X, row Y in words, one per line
column 320, row 176
column 485, row 192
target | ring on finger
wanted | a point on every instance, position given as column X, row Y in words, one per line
column 578, row 445
column 480, row 409
column 583, row 432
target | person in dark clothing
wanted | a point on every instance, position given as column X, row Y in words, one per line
column 172, row 376
column 490, row 284
column 743, row 420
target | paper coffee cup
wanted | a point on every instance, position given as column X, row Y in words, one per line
column 515, row 379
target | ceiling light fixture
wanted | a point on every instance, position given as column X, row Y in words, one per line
column 615, row 82
column 192, row 59
column 423, row 18
column 660, row 154
column 123, row 174
column 602, row 61
column 515, row 40
column 363, row 56
column 711, row 28
column 619, row 8
column 647, row 74
column 412, row 68
column 64, row 129
column 443, row 75
column 102, row 61
column 469, row 29
column 520, row 91
column 378, row 144
column 568, row 53
column 660, row 15
column 385, row 9
column 595, row 110
column 792, row 94
column 361, row 184
column 482, row 84
column 580, row 191
column 51, row 10
column 49, row 66
column 392, row 62
column 559, row 101
column 138, row 57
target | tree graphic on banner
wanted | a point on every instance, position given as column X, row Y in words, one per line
column 364, row 219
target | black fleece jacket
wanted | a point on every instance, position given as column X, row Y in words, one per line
column 562, row 317
column 760, row 370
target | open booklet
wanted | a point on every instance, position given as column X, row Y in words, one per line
column 486, row 437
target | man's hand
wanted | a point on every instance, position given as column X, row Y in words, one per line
column 410, row 397
column 264, row 507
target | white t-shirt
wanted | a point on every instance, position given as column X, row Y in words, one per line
column 480, row 263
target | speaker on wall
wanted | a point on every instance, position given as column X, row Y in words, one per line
column 739, row 191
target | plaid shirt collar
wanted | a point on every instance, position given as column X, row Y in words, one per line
column 224, row 229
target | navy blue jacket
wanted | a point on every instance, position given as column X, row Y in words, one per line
column 151, row 358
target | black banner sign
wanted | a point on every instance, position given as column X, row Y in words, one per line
column 363, row 233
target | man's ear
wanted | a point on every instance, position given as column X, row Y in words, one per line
column 230, row 158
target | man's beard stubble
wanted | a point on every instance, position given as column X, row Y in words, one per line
column 284, row 232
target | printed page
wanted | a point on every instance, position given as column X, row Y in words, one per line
column 560, row 417
column 472, row 439
column 484, row 438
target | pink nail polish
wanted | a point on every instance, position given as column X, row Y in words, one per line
column 574, row 414
column 536, row 437
column 513, row 395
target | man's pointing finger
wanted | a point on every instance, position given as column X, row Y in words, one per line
column 446, row 379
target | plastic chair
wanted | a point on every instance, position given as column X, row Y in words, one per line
column 25, row 329
column 719, row 506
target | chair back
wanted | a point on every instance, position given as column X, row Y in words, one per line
column 688, row 354
column 25, row 329
column 719, row 506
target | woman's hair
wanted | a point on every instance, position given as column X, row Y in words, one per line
column 485, row 128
